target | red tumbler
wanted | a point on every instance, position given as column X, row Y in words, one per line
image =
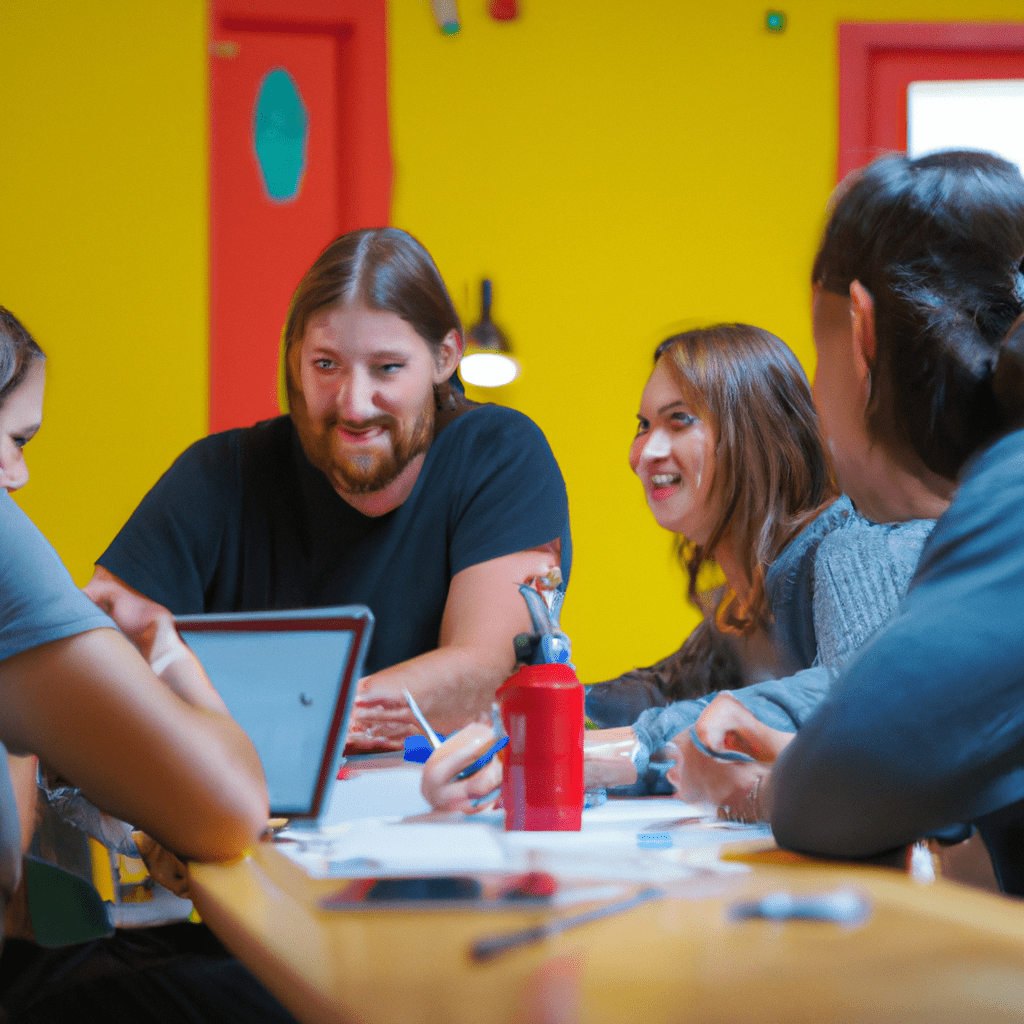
column 542, row 778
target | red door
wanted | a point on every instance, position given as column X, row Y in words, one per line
column 298, row 155
column 878, row 60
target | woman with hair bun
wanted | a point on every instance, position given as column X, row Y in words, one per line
column 917, row 318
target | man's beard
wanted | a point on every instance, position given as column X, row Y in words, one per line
column 373, row 469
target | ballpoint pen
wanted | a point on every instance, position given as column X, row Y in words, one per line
column 495, row 945
column 435, row 741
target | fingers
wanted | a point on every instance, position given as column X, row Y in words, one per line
column 689, row 769
column 723, row 716
column 370, row 742
column 457, row 752
column 163, row 865
column 726, row 724
column 374, row 727
column 380, row 710
column 150, row 626
column 697, row 778
column 674, row 775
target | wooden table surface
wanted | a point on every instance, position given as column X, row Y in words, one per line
column 929, row 952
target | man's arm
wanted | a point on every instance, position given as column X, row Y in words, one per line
column 455, row 683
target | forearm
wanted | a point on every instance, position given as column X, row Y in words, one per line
column 820, row 808
column 180, row 669
column 23, row 772
column 186, row 775
column 456, row 683
column 890, row 756
column 608, row 757
column 453, row 685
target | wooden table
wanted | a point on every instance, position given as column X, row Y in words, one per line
column 930, row 952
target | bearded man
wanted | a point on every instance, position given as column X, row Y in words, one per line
column 383, row 486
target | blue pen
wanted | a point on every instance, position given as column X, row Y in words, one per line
column 435, row 742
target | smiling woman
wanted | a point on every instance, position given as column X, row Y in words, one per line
column 674, row 456
column 731, row 457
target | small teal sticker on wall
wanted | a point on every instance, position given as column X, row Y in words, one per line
column 280, row 135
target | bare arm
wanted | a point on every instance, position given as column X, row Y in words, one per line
column 26, row 794
column 93, row 711
column 150, row 627
column 455, row 683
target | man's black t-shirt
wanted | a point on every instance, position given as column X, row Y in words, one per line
column 242, row 521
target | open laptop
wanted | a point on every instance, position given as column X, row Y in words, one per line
column 288, row 679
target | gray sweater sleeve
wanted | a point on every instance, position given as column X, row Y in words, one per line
column 861, row 573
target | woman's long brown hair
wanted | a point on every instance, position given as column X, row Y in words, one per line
column 772, row 474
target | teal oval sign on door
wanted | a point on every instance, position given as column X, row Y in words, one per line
column 280, row 135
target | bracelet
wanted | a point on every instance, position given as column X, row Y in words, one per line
column 755, row 810
column 751, row 811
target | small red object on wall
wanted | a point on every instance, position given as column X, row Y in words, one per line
column 504, row 10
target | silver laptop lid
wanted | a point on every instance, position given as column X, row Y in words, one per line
column 288, row 679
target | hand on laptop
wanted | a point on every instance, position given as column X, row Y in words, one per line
column 150, row 626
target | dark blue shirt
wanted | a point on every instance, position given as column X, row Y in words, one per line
column 242, row 521
column 925, row 728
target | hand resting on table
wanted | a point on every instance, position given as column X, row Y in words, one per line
column 735, row 787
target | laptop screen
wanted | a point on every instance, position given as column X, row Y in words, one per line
column 288, row 679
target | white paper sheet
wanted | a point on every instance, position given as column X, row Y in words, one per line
column 371, row 847
column 389, row 793
column 631, row 840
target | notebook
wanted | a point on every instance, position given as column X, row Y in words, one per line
column 288, row 679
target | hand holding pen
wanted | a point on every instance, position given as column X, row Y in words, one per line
column 452, row 778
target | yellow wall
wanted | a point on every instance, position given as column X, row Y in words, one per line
column 617, row 168
column 103, row 249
